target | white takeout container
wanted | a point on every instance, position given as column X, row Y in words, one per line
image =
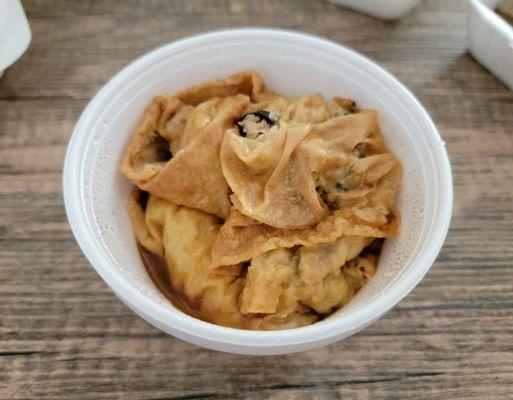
column 15, row 34
column 490, row 39
column 390, row 9
column 95, row 192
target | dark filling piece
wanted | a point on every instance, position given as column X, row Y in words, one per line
column 330, row 188
column 323, row 194
column 253, row 124
column 341, row 187
column 361, row 150
column 157, row 150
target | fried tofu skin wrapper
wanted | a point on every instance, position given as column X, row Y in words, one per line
column 241, row 237
column 280, row 289
column 174, row 152
column 259, row 211
column 315, row 159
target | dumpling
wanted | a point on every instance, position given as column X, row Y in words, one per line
column 372, row 215
column 174, row 152
column 183, row 237
column 280, row 288
column 327, row 284
column 293, row 165
column 310, row 281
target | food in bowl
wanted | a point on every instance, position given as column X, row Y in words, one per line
column 256, row 211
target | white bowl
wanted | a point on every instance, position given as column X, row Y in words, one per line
column 15, row 34
column 291, row 63
column 390, row 9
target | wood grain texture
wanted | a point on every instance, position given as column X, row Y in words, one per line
column 64, row 335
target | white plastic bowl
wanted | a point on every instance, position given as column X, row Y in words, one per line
column 15, row 34
column 291, row 63
column 390, row 9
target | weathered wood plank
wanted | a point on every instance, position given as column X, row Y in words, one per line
column 63, row 334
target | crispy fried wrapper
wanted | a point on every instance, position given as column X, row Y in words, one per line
column 322, row 277
column 242, row 237
column 318, row 157
column 184, row 237
column 266, row 212
column 174, row 152
column 283, row 288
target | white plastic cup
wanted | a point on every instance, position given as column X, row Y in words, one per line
column 15, row 34
column 390, row 9
column 292, row 64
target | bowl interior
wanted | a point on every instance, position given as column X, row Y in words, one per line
column 292, row 65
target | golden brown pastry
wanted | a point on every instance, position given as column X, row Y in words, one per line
column 265, row 212
column 292, row 175
column 284, row 287
column 342, row 171
column 174, row 152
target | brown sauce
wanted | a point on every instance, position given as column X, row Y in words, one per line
column 158, row 272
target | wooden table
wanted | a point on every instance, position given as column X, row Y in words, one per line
column 64, row 335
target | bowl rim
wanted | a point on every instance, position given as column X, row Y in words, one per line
column 182, row 325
